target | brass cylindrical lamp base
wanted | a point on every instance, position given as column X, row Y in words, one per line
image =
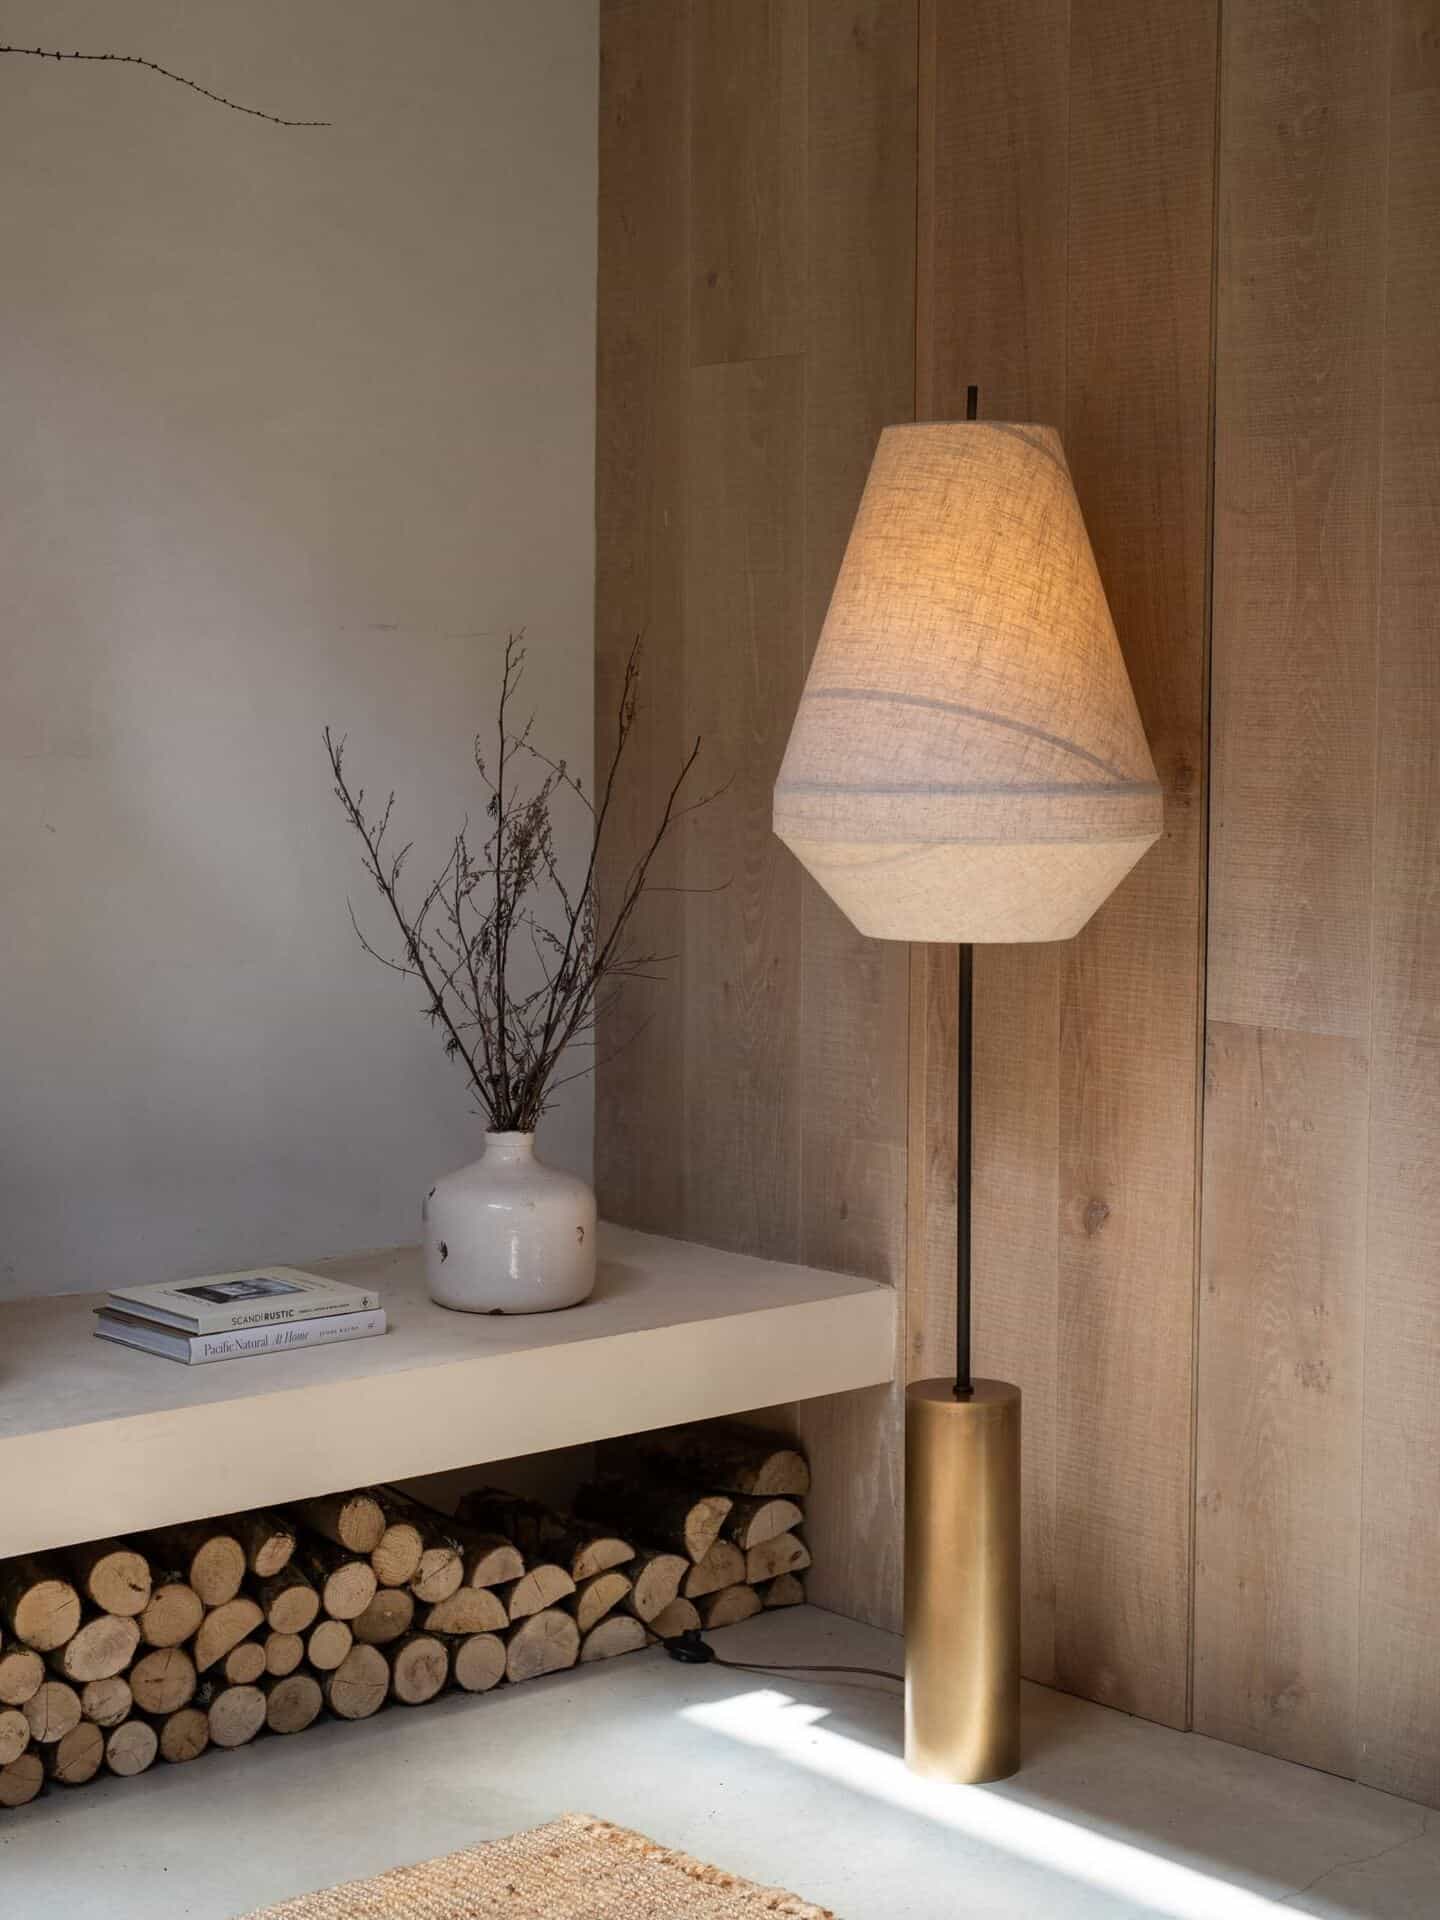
column 962, row 1581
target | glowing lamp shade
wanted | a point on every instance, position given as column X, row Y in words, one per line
column 967, row 763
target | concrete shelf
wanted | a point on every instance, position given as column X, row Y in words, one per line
column 96, row 1439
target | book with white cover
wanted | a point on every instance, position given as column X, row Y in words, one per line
column 237, row 1343
column 258, row 1297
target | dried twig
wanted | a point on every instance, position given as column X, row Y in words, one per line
column 458, row 942
column 153, row 66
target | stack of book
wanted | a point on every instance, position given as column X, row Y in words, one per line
column 233, row 1316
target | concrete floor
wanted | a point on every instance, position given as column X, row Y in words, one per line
column 790, row 1779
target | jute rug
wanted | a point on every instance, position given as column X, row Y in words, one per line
column 574, row 1869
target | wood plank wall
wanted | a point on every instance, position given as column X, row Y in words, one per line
column 756, row 332
column 1317, row 1621
column 1207, row 252
column 1066, row 176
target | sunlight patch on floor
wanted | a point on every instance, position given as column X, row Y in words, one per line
column 990, row 1816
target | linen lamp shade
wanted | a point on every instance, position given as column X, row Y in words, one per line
column 967, row 762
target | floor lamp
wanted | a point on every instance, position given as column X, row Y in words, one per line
column 967, row 764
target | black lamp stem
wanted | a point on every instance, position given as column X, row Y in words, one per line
column 964, row 1384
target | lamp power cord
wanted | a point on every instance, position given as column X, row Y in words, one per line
column 693, row 1650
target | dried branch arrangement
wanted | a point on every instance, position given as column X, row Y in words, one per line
column 516, row 963
column 165, row 1645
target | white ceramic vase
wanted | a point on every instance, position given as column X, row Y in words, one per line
column 508, row 1234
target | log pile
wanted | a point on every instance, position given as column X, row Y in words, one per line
column 119, row 1653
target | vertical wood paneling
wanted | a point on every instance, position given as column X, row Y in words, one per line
column 1298, row 400
column 744, row 667
column 859, row 377
column 1142, row 156
column 1300, row 335
column 1278, row 1479
column 1399, row 1694
column 748, row 273
column 765, row 155
column 642, row 381
column 994, row 90
column 758, row 207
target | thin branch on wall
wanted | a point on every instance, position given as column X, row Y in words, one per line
column 153, row 66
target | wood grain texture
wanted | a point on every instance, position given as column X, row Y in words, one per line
column 642, row 378
column 1281, row 1352
column 765, row 1106
column 747, row 170
column 1142, row 154
column 1300, row 331
column 992, row 277
column 859, row 377
column 744, row 666
column 1398, row 1740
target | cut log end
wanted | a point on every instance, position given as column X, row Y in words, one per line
column 79, row 1756
column 538, row 1589
column 172, row 1615
column 163, row 1681
column 355, row 1521
column 491, row 1561
column 786, row 1590
column 723, row 1566
column 184, row 1736
column 113, row 1577
column 419, row 1668
column 243, row 1665
column 479, row 1662
column 290, row 1603
column 236, row 1715
column 14, row 1735
column 596, row 1597
column 441, row 1572
column 52, row 1711
column 397, row 1555
column 131, row 1748
column 681, row 1616
column 786, row 1553
column 217, row 1569
column 293, row 1703
column 283, row 1654
column 102, row 1647
column 729, row 1606
column 21, row 1780
column 225, row 1627
column 752, row 1522
column 268, row 1540
column 389, row 1615
column 358, row 1686
column 621, row 1633
column 598, row 1554
column 348, row 1590
column 655, row 1582
column 107, row 1702
column 22, row 1671
column 470, row 1610
column 43, row 1611
column 542, row 1643
column 328, row 1645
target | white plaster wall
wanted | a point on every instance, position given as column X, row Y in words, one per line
column 294, row 426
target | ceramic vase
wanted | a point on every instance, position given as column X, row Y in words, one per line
column 508, row 1234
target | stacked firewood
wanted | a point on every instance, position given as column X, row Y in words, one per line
column 120, row 1652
